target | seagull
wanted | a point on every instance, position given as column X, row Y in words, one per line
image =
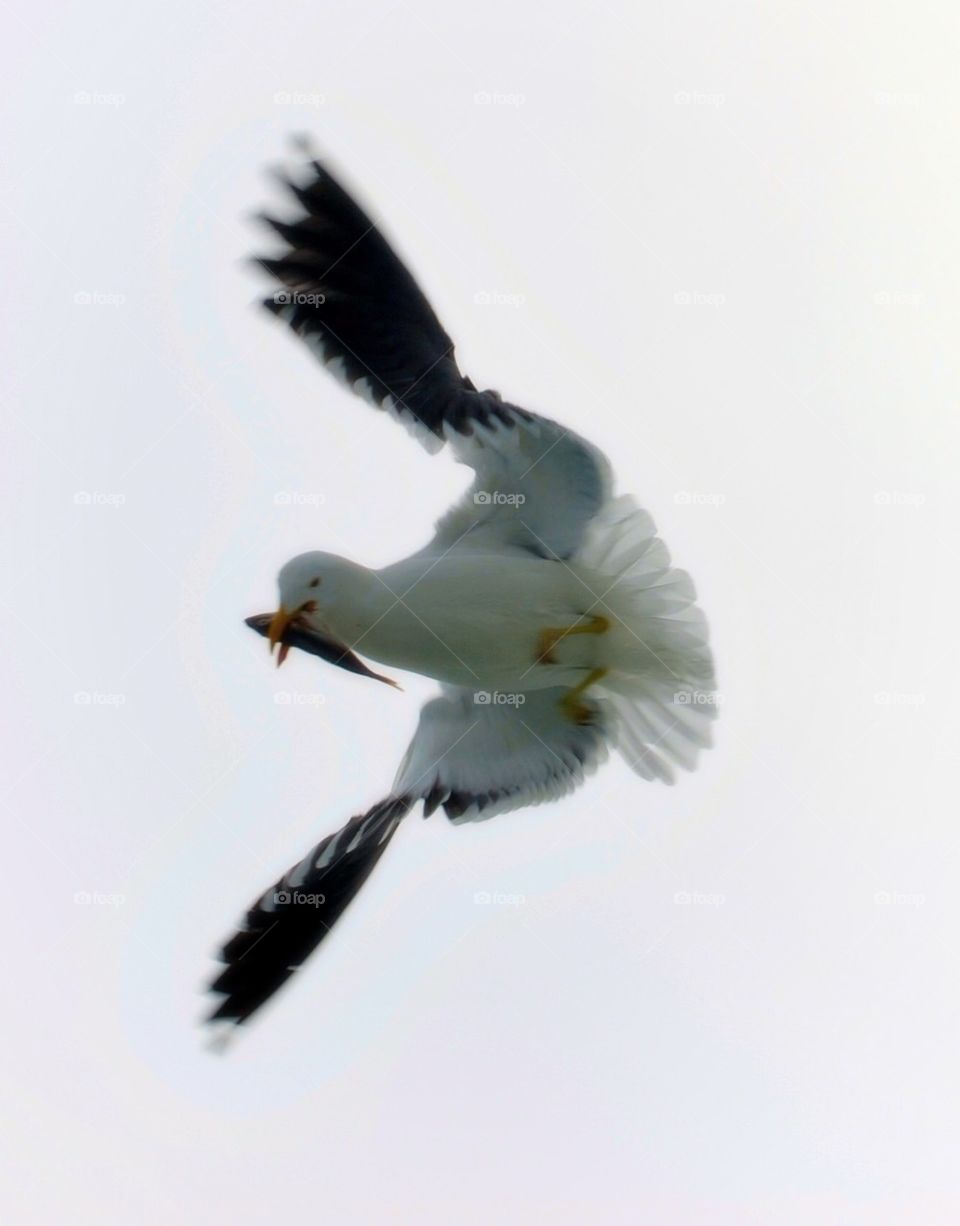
column 546, row 607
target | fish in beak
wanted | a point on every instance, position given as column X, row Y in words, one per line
column 286, row 629
column 281, row 621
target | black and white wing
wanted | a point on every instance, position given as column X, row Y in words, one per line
column 476, row 757
column 286, row 924
column 537, row 489
column 470, row 756
column 348, row 296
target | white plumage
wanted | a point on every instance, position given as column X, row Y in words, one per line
column 547, row 609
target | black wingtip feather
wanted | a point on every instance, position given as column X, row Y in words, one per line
column 287, row 923
column 372, row 315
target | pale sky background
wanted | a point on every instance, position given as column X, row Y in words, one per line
column 721, row 240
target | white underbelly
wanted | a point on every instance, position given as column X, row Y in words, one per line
column 475, row 621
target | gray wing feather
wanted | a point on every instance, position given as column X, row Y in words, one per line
column 476, row 756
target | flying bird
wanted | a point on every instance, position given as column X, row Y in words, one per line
column 545, row 607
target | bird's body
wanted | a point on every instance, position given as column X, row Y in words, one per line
column 547, row 609
column 473, row 619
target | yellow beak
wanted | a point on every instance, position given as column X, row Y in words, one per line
column 278, row 624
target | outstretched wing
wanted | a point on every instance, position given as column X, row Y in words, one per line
column 286, row 924
column 470, row 755
column 537, row 488
column 345, row 292
column 350, row 298
column 477, row 756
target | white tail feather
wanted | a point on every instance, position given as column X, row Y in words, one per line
column 660, row 682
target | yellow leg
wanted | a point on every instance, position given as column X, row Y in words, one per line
column 551, row 636
column 576, row 710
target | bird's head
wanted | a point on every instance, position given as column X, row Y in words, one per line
column 322, row 599
column 313, row 586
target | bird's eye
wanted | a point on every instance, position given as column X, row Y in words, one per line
column 314, row 583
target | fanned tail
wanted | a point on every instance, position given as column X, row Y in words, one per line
column 660, row 681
